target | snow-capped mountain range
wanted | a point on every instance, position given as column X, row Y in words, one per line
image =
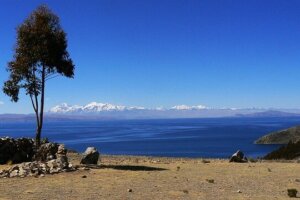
column 95, row 107
column 185, row 107
column 107, row 111
column 92, row 107
column 111, row 111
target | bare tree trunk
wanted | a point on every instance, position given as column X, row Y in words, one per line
column 38, row 136
column 41, row 117
column 38, row 129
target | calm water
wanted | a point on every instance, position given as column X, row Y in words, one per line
column 217, row 138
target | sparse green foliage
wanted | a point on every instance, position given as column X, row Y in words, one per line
column 288, row 152
column 40, row 54
column 44, row 140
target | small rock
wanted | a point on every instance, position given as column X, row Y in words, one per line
column 16, row 167
column 269, row 170
column 84, row 176
column 13, row 173
column 52, row 164
column 129, row 190
column 239, row 191
column 62, row 161
column 210, row 180
column 61, row 150
column 297, row 180
column 21, row 172
column 292, row 192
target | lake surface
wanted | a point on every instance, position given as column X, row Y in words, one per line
column 211, row 138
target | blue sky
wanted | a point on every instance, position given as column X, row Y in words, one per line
column 226, row 53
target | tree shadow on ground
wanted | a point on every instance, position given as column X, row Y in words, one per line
column 126, row 167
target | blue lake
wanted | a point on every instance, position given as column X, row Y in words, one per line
column 211, row 138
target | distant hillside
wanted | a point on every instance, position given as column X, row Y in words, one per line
column 16, row 117
column 281, row 137
column 270, row 113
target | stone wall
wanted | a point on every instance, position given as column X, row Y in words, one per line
column 16, row 150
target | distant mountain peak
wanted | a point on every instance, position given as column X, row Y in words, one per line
column 92, row 107
column 271, row 113
column 185, row 107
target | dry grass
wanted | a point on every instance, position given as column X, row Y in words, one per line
column 159, row 178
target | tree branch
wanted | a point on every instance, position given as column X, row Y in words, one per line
column 35, row 110
column 42, row 97
column 36, row 103
column 51, row 77
column 33, row 105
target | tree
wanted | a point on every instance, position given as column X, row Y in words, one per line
column 40, row 54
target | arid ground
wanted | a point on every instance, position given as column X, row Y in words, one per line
column 129, row 177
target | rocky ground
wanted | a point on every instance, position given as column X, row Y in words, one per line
column 128, row 177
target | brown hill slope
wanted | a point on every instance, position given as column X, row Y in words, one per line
column 281, row 137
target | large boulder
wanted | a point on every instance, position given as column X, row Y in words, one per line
column 90, row 156
column 238, row 157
